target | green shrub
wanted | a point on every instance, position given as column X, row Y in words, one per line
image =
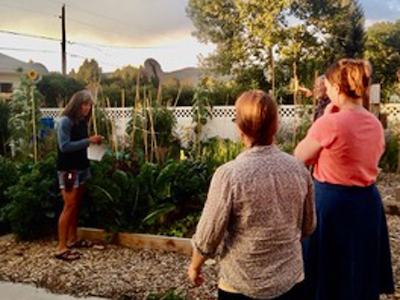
column 389, row 160
column 4, row 128
column 150, row 198
column 8, row 178
column 34, row 201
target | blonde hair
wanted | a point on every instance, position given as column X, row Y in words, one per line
column 73, row 108
column 353, row 77
column 257, row 117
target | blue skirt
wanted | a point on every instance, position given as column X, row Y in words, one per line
column 348, row 255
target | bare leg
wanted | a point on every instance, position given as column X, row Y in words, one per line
column 73, row 226
column 70, row 203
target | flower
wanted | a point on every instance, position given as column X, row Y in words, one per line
column 32, row 74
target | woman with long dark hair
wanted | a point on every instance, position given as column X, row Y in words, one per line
column 73, row 169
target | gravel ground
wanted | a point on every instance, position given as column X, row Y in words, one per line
column 121, row 273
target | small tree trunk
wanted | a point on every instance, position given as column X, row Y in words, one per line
column 272, row 67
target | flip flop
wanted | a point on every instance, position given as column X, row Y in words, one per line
column 82, row 244
column 68, row 255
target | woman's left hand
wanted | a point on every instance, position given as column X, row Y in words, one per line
column 194, row 276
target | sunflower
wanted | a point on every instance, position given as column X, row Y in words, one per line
column 32, row 74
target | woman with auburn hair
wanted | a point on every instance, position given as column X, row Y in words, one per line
column 348, row 255
column 259, row 207
column 73, row 169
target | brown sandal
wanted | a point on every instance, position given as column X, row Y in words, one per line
column 68, row 255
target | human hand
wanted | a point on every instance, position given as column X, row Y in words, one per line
column 96, row 139
column 306, row 91
column 331, row 109
column 194, row 276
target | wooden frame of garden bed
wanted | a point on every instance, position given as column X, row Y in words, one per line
column 138, row 241
column 182, row 245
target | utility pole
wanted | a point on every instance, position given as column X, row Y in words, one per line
column 63, row 43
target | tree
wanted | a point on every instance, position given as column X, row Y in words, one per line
column 245, row 32
column 89, row 72
column 340, row 25
column 125, row 78
column 383, row 50
column 252, row 37
column 57, row 89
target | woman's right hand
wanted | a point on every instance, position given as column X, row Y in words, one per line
column 96, row 139
column 194, row 276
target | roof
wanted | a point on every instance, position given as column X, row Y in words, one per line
column 9, row 64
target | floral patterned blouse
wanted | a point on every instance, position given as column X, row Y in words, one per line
column 259, row 207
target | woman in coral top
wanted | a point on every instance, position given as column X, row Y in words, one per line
column 348, row 255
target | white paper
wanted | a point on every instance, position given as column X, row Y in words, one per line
column 96, row 152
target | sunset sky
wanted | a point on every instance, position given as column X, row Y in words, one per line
column 117, row 33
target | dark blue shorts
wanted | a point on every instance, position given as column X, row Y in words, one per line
column 78, row 176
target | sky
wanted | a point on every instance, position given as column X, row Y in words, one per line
column 119, row 32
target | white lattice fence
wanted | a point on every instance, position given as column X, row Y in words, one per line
column 221, row 122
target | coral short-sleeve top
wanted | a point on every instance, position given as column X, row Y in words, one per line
column 352, row 144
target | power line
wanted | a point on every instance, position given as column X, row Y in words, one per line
column 73, row 55
column 81, row 43
column 28, row 50
column 30, row 35
column 103, row 16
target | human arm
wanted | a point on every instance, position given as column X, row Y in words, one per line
column 213, row 223
column 194, row 270
column 309, row 215
column 320, row 136
column 64, row 137
column 307, row 150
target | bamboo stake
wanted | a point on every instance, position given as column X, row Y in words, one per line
column 144, row 127
column 153, row 135
column 132, row 137
column 94, row 110
column 94, row 119
column 314, row 98
column 113, row 134
column 123, row 121
column 159, row 94
column 35, row 154
column 178, row 96
column 135, row 107
column 103, row 105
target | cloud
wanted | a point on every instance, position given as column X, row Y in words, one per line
column 127, row 22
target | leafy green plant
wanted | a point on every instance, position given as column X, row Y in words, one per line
column 124, row 196
column 201, row 110
column 8, row 178
column 34, row 201
column 161, row 122
column 215, row 152
column 20, row 123
column 4, row 128
column 389, row 161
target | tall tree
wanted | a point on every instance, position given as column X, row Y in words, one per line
column 57, row 89
column 383, row 50
column 89, row 72
column 245, row 32
column 339, row 24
